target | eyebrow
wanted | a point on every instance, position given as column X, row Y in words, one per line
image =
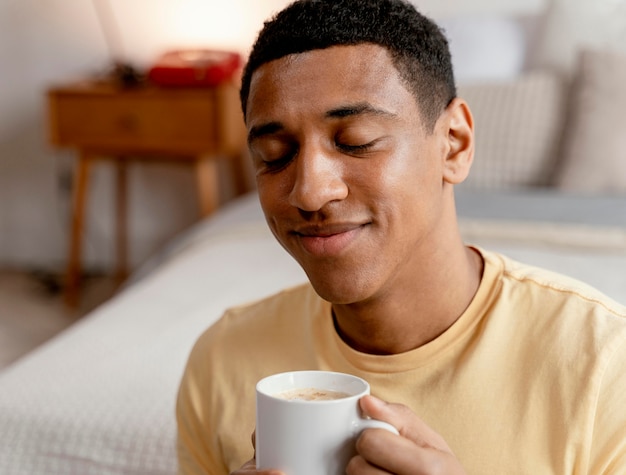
column 264, row 129
column 361, row 108
column 350, row 110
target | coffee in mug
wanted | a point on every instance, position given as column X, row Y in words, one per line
column 307, row 422
column 311, row 394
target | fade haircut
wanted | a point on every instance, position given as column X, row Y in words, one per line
column 417, row 46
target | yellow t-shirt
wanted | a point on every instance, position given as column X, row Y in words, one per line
column 531, row 379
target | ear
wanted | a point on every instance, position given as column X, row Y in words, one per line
column 459, row 129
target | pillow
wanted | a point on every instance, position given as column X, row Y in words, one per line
column 594, row 150
column 518, row 126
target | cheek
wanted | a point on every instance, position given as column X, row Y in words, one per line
column 407, row 188
column 267, row 199
column 402, row 175
column 273, row 192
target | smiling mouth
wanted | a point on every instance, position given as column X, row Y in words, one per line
column 326, row 241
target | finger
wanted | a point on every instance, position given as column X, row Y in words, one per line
column 384, row 452
column 359, row 466
column 250, row 467
column 405, row 420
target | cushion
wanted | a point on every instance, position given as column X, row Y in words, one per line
column 594, row 153
column 518, row 124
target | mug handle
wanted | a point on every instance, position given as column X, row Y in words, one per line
column 363, row 424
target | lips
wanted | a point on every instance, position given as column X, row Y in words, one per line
column 329, row 239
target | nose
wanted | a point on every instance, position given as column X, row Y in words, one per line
column 319, row 179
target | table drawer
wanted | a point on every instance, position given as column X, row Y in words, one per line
column 158, row 120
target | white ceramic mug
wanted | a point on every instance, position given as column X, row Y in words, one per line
column 310, row 437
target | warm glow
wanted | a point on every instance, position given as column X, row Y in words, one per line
column 150, row 27
column 196, row 22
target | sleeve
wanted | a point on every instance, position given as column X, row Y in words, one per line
column 197, row 448
column 608, row 450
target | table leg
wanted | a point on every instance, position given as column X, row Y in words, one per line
column 239, row 171
column 122, row 219
column 81, row 181
column 208, row 184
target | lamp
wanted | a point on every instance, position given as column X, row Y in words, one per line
column 122, row 72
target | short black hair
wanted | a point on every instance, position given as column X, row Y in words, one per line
column 418, row 47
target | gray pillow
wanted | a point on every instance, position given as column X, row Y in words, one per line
column 518, row 124
column 594, row 153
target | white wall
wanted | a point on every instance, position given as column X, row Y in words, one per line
column 43, row 42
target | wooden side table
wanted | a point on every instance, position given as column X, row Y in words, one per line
column 103, row 121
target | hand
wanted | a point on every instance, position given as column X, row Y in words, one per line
column 250, row 466
column 418, row 450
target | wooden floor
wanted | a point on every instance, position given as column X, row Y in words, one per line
column 32, row 309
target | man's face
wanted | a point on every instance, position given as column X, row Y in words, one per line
column 349, row 178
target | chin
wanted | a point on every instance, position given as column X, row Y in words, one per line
column 341, row 289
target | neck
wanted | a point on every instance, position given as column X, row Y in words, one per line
column 409, row 316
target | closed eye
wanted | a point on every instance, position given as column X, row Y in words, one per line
column 277, row 164
column 356, row 149
column 273, row 152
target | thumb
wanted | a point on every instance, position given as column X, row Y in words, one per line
column 405, row 420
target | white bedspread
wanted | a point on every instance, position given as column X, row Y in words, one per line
column 100, row 397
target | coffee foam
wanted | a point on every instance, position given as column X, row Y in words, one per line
column 311, row 394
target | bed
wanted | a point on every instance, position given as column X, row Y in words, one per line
column 100, row 397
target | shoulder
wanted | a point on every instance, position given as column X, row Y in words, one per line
column 250, row 327
column 548, row 287
column 551, row 310
column 296, row 298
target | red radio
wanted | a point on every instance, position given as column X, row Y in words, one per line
column 194, row 67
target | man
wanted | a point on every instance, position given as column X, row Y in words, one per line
column 484, row 365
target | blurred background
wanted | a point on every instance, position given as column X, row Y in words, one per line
column 45, row 43
column 545, row 80
column 497, row 47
